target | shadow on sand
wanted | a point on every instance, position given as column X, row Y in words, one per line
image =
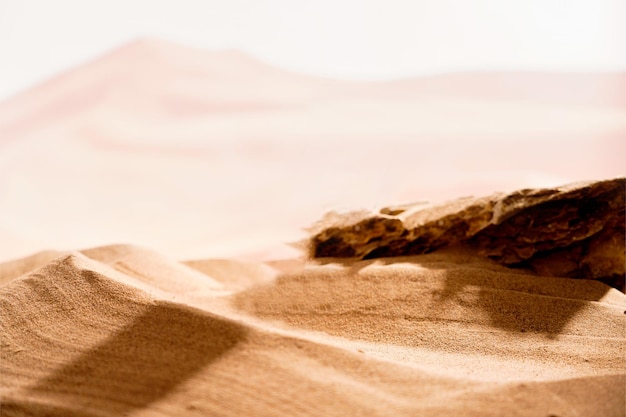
column 132, row 368
column 515, row 300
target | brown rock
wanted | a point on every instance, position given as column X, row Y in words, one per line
column 575, row 231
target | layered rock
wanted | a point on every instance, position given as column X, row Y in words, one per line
column 574, row 231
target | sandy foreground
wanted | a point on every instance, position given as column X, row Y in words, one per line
column 217, row 163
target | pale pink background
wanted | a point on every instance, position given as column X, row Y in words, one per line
column 200, row 154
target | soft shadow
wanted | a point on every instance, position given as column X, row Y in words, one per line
column 140, row 364
column 522, row 305
column 515, row 300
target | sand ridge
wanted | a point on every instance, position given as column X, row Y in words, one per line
column 450, row 304
column 83, row 338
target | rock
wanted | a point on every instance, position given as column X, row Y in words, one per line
column 574, row 231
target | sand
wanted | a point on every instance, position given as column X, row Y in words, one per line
column 211, row 166
column 427, row 335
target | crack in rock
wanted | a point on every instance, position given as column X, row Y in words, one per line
column 576, row 230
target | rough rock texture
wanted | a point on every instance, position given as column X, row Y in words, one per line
column 574, row 231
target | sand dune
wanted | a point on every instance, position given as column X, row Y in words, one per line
column 454, row 307
column 80, row 338
column 566, row 89
column 152, row 142
column 223, row 160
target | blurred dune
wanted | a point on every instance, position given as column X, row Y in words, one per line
column 156, row 133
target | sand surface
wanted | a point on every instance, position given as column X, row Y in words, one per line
column 107, row 332
column 211, row 165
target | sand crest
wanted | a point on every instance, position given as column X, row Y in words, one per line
column 428, row 335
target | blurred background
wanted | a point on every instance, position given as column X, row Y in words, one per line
column 217, row 129
column 362, row 39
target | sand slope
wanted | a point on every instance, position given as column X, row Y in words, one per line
column 81, row 338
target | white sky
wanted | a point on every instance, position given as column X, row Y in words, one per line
column 365, row 39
